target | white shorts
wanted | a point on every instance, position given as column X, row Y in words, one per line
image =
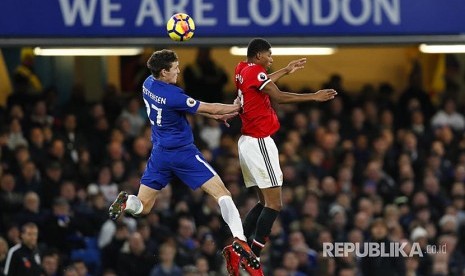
column 259, row 159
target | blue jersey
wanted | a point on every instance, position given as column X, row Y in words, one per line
column 173, row 152
column 166, row 106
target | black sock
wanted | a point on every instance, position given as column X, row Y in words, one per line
column 265, row 222
column 251, row 220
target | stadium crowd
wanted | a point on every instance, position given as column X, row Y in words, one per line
column 362, row 167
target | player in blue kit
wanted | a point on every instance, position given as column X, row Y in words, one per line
column 174, row 153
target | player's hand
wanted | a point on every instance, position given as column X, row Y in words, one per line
column 225, row 117
column 237, row 101
column 296, row 65
column 325, row 95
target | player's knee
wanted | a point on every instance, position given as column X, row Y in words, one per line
column 225, row 192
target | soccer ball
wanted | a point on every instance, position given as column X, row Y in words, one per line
column 180, row 27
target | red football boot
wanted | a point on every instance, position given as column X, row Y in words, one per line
column 232, row 260
column 250, row 270
column 248, row 258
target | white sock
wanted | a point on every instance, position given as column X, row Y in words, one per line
column 231, row 217
column 134, row 205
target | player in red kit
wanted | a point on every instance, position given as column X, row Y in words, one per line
column 258, row 154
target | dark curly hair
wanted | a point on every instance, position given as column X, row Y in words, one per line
column 160, row 60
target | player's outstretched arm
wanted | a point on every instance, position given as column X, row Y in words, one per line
column 282, row 97
column 218, row 108
column 289, row 69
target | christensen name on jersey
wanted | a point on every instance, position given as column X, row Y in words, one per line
column 258, row 117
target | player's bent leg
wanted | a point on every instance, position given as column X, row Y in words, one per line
column 133, row 205
column 215, row 187
column 147, row 197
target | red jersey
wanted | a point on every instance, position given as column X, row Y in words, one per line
column 258, row 116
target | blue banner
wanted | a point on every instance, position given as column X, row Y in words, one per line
column 231, row 18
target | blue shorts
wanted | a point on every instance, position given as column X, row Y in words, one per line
column 187, row 163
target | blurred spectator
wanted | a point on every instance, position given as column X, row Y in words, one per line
column 385, row 96
column 186, row 243
column 411, row 266
column 145, row 230
column 109, row 272
column 335, row 82
column 39, row 116
column 139, row 154
column 420, row 236
column 421, row 128
column 51, row 183
column 132, row 114
column 111, row 249
column 205, row 79
column 414, row 97
column 112, row 102
column 211, row 134
column 105, row 185
column 61, row 230
column 209, row 252
column 70, row 271
column 38, row 147
column 51, row 263
column 13, row 234
column 97, row 211
column 85, row 168
column 448, row 116
column 24, row 78
column 378, row 182
column 57, row 153
column 347, row 270
column 380, row 265
column 80, row 267
column 24, row 258
column 15, row 135
column 201, row 268
column 3, row 254
column 159, row 231
column 118, row 230
column 29, row 180
column 72, row 137
column 31, row 210
column 167, row 266
column 291, row 264
column 10, row 200
column 77, row 103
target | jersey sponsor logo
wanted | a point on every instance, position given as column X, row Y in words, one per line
column 190, row 102
column 262, row 76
